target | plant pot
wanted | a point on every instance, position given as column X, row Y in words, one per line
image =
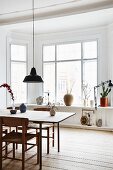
column 68, row 99
column 104, row 101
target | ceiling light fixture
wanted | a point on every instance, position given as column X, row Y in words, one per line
column 33, row 77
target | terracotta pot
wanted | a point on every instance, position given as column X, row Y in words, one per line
column 104, row 102
column 68, row 99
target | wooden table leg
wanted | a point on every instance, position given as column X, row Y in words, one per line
column 53, row 135
column 58, row 137
column 40, row 162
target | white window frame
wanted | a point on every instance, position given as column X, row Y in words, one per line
column 81, row 60
column 13, row 41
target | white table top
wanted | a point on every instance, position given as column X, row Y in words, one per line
column 38, row 116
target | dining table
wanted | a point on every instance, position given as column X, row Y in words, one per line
column 41, row 117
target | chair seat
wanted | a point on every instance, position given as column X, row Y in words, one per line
column 16, row 137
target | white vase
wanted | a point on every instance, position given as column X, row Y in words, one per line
column 91, row 103
column 85, row 102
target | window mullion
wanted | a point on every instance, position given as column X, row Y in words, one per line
column 82, row 70
column 55, row 73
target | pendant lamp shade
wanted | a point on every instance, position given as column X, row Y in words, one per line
column 33, row 77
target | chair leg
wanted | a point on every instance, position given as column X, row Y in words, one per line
column 47, row 140
column 23, row 156
column 6, row 148
column 53, row 135
column 13, row 150
column 0, row 155
column 38, row 147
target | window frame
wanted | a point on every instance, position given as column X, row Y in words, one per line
column 81, row 60
column 13, row 41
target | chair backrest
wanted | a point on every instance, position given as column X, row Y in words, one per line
column 14, row 121
column 17, row 107
column 42, row 109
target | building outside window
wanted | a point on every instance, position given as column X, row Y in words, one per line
column 68, row 67
column 18, row 72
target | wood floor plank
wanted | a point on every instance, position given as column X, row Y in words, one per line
column 80, row 150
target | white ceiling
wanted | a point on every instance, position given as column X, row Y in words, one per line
column 12, row 11
column 72, row 22
column 13, row 6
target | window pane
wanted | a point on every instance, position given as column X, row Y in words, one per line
column 18, row 52
column 18, row 72
column 49, row 81
column 69, row 51
column 90, row 49
column 90, row 75
column 69, row 78
column 49, row 53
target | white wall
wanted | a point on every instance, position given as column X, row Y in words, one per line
column 3, row 53
column 110, row 51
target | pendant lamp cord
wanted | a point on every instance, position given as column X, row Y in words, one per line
column 33, row 30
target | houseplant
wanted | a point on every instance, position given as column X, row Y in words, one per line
column 104, row 95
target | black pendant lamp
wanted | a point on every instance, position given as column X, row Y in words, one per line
column 33, row 77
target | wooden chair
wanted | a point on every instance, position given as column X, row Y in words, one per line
column 17, row 137
column 45, row 127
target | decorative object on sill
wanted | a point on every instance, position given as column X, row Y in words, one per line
column 68, row 99
column 85, row 102
column 104, row 94
column 39, row 100
column 91, row 103
column 13, row 111
column 22, row 108
column 86, row 118
column 5, row 85
column 53, row 109
column 47, row 98
column 99, row 122
column 33, row 77
column 86, row 93
column 106, row 91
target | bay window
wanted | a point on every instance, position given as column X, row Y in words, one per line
column 67, row 67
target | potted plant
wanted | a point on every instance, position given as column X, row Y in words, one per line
column 104, row 94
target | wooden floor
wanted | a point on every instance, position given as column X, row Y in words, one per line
column 80, row 150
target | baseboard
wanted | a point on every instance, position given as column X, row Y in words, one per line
column 87, row 127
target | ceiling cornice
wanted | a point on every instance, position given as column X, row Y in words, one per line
column 50, row 12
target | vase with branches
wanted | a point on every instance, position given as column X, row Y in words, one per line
column 68, row 97
column 86, row 93
column 5, row 85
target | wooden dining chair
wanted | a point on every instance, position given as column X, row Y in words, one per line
column 17, row 138
column 46, row 127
